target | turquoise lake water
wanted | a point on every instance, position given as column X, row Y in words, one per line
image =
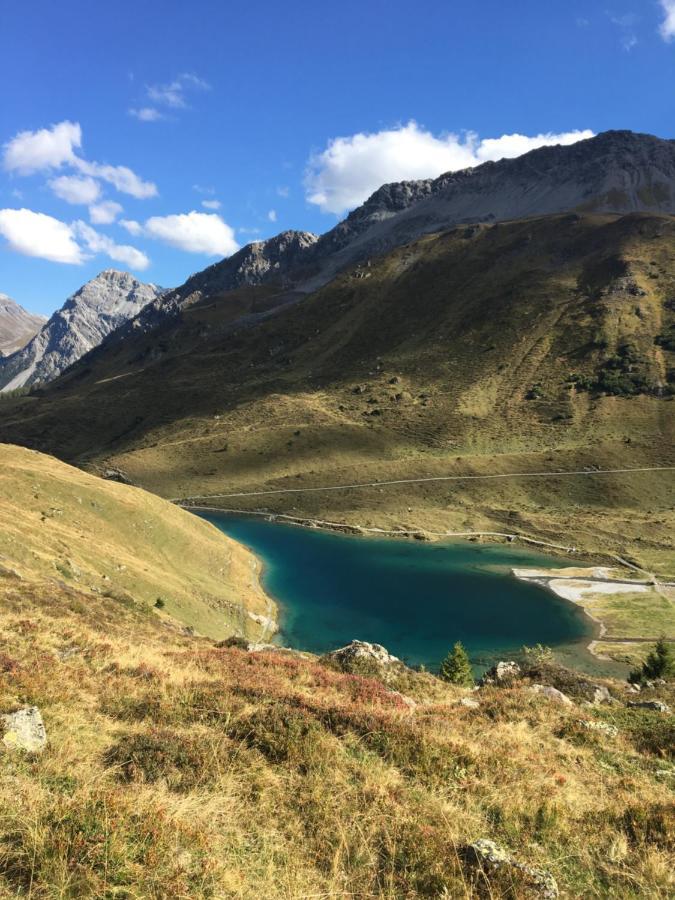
column 415, row 598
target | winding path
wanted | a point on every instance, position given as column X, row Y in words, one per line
column 379, row 484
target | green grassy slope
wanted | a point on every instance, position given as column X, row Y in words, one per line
column 61, row 525
column 535, row 345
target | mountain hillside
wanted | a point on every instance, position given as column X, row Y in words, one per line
column 99, row 538
column 541, row 345
column 94, row 311
column 17, row 326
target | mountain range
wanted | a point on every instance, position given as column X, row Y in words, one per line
column 17, row 326
column 94, row 311
column 515, row 317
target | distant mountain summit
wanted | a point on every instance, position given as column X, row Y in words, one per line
column 89, row 315
column 17, row 326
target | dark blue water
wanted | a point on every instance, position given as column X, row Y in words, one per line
column 415, row 598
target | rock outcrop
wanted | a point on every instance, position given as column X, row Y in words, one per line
column 503, row 673
column 362, row 657
column 491, row 859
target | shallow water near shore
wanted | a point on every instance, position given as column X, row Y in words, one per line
column 415, row 598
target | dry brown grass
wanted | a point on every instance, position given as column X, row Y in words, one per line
column 177, row 769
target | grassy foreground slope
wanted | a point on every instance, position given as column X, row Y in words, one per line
column 62, row 526
column 180, row 769
column 538, row 345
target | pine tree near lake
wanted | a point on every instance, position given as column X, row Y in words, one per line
column 456, row 667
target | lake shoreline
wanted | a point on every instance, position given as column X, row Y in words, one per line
column 287, row 611
column 542, row 578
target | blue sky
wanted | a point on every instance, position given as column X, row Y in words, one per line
column 283, row 115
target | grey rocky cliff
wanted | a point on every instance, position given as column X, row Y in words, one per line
column 86, row 318
column 17, row 326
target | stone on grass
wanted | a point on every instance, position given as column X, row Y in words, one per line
column 602, row 727
column 551, row 693
column 24, row 730
column 601, row 694
column 657, row 705
column 504, row 672
column 489, row 856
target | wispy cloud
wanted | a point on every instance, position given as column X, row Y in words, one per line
column 170, row 97
column 146, row 114
column 211, row 204
column 667, row 27
column 626, row 23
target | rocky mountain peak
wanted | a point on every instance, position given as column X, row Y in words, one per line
column 90, row 314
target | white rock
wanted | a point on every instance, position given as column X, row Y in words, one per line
column 24, row 730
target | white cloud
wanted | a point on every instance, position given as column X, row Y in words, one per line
column 75, row 188
column 194, row 232
column 211, row 204
column 348, row 171
column 284, row 191
column 48, row 148
column 510, row 145
column 667, row 28
column 272, row 215
column 146, row 114
column 36, row 234
column 131, row 226
column 173, row 93
column 124, row 179
column 104, row 213
column 101, row 243
column 51, row 148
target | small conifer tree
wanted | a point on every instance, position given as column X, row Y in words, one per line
column 456, row 667
column 660, row 663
